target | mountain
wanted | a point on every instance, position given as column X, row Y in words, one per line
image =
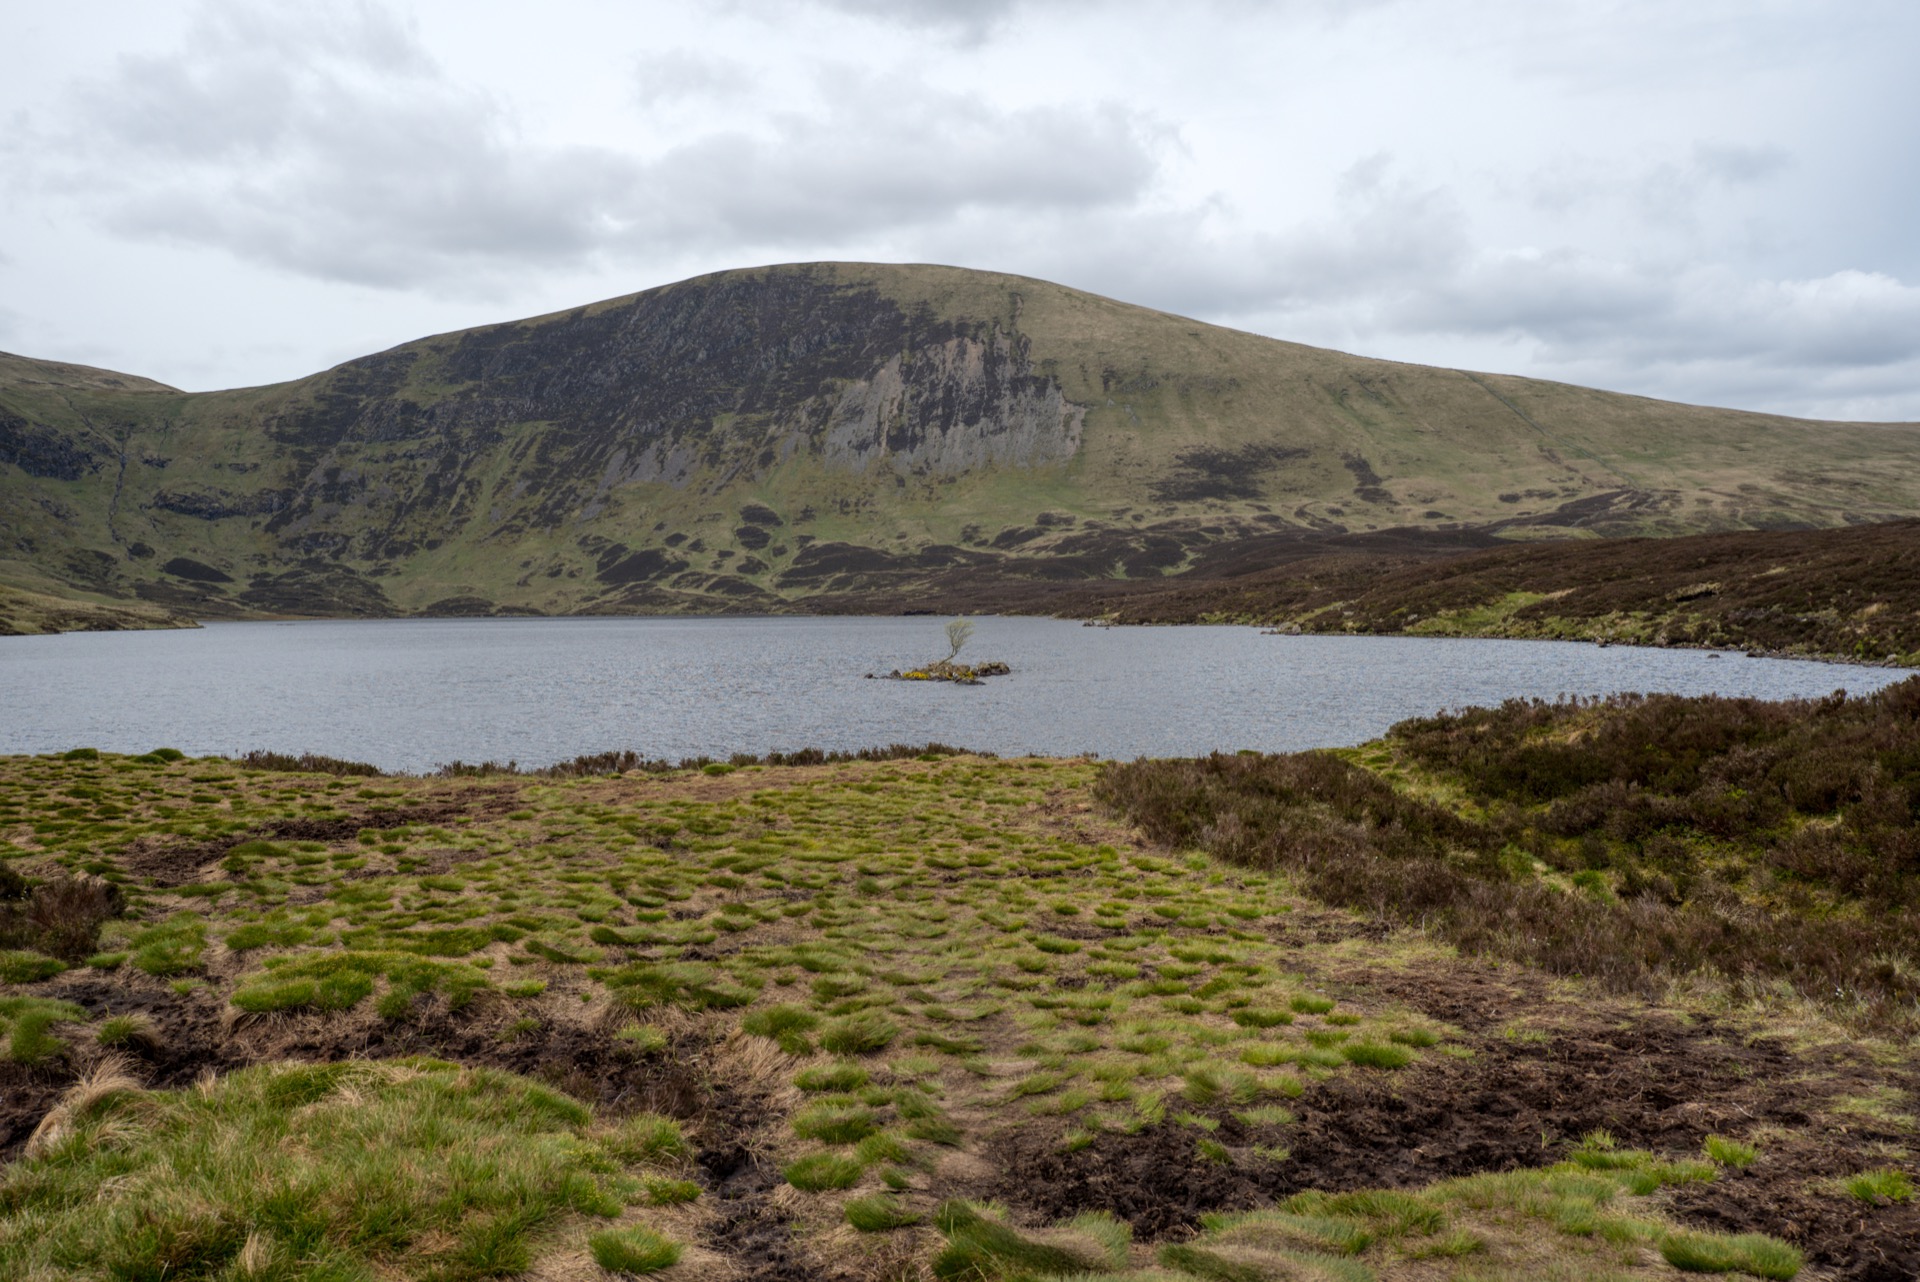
column 838, row 436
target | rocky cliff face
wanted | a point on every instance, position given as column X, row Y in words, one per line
column 710, row 383
column 954, row 407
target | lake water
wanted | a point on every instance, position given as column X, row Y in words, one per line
column 411, row 694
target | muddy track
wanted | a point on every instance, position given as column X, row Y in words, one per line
column 749, row 1229
column 1654, row 1084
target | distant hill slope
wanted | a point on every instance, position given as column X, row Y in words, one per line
column 1844, row 593
column 765, row 439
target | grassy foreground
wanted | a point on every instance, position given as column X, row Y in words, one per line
column 930, row 1016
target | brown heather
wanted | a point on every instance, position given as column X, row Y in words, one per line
column 1631, row 840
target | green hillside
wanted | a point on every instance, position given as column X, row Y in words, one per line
column 765, row 439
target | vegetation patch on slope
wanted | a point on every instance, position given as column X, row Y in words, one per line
column 1849, row 593
column 24, row 613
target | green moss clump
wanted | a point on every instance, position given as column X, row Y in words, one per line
column 22, row 966
column 859, row 1034
column 822, row 1171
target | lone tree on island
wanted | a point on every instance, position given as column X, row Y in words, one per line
column 957, row 633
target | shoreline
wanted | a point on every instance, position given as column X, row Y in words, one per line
column 1085, row 620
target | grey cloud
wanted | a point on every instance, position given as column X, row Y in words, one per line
column 1398, row 266
column 375, row 172
column 973, row 22
column 678, row 74
column 1386, row 232
column 1849, row 319
column 1563, row 297
column 1666, row 191
column 351, row 158
column 966, row 22
column 1577, row 307
column 970, row 18
column 1739, row 165
column 252, row 80
column 1842, row 345
column 890, row 153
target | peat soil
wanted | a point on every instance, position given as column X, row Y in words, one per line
column 193, row 1034
column 749, row 1226
column 1525, row 1096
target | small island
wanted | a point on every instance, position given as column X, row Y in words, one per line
column 958, row 633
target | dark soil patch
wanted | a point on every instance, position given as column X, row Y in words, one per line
column 1475, row 997
column 1310, row 927
column 1155, row 1179
column 1652, row 1084
column 178, row 863
column 1856, row 1242
column 187, row 1043
column 749, row 1229
column 25, row 1096
column 587, row 1063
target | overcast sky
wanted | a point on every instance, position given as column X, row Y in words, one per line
column 1714, row 201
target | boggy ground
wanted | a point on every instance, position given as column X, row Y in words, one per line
column 907, row 1014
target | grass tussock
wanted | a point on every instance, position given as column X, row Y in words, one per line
column 635, row 1249
column 1884, row 1187
column 348, row 1170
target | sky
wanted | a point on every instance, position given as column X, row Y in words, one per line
column 1712, row 201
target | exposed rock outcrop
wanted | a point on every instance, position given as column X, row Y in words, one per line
column 955, row 407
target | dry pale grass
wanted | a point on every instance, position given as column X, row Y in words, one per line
column 111, row 1075
column 755, row 1064
column 844, row 1254
column 256, row 1258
